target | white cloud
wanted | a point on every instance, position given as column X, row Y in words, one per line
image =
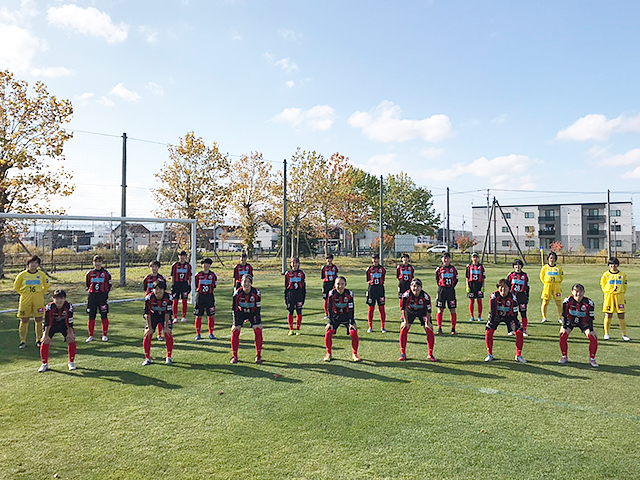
column 106, row 102
column 500, row 119
column 289, row 34
column 290, row 84
column 84, row 98
column 150, row 34
column 385, row 125
column 88, row 21
column 120, row 91
column 287, row 65
column 320, row 117
column 155, row 88
column 605, row 159
column 508, row 167
column 51, row 72
column 235, row 35
column 632, row 175
column 595, row 126
column 27, row 10
column 383, row 164
column 17, row 48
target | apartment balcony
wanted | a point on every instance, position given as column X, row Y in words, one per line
column 597, row 233
column 596, row 218
column 547, row 232
column 547, row 219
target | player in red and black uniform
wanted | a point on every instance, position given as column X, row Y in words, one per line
column 147, row 285
column 98, row 283
column 375, row 292
column 240, row 270
column 578, row 311
column 341, row 312
column 504, row 309
column 404, row 274
column 157, row 309
column 206, row 282
column 295, row 292
column 446, row 279
column 475, row 285
column 246, row 308
column 180, row 285
column 329, row 273
column 58, row 318
column 416, row 303
column 519, row 286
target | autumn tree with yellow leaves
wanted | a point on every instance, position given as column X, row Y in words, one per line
column 32, row 138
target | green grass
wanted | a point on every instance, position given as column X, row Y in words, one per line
column 297, row 417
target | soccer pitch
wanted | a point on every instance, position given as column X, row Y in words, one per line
column 297, row 417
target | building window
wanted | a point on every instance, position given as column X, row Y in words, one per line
column 618, row 243
column 594, row 227
column 550, row 213
column 616, row 228
column 529, row 243
column 529, row 228
column 505, row 229
column 528, row 215
column 593, row 243
column 616, row 213
column 506, row 243
column 507, row 215
column 594, row 212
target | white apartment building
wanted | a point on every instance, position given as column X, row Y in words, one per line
column 572, row 224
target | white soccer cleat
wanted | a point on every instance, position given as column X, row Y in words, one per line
column 169, row 361
column 544, row 320
column 72, row 365
column 520, row 359
column 471, row 319
column 147, row 361
column 563, row 359
column 89, row 339
column 488, row 358
column 606, row 337
column 384, row 330
column 593, row 363
column 525, row 334
column 370, row 330
column 43, row 368
column 560, row 320
column 625, row 338
column 183, row 320
column 511, row 334
column 479, row 319
column 105, row 338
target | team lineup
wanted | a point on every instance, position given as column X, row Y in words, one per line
column 508, row 302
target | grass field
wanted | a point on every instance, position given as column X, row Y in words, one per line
column 297, row 417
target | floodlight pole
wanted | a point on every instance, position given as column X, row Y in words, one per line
column 194, row 248
column 123, row 213
column 608, row 219
column 381, row 226
column 284, row 220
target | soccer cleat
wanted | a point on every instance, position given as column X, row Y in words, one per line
column 563, row 359
column 326, row 317
column 383, row 330
column 511, row 334
column 606, row 337
column 369, row 330
column 89, row 339
column 544, row 320
column 234, row 359
column 183, row 320
column 488, row 358
column 258, row 360
column 72, row 365
column 212, row 336
column 169, row 361
column 525, row 334
column 327, row 357
column 479, row 319
column 521, row 359
column 560, row 321
column 402, row 358
column 431, row 358
column 175, row 320
column 105, row 338
column 22, row 345
column 198, row 337
column 291, row 332
column 43, row 368
column 471, row 319
column 439, row 331
column 298, row 332
column 147, row 361
column 160, row 338
column 355, row 357
column 453, row 331
column 38, row 343
column 593, row 363
column 625, row 338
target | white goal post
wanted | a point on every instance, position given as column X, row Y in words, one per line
column 123, row 221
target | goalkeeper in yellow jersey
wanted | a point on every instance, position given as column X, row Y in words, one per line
column 551, row 277
column 614, row 285
column 32, row 284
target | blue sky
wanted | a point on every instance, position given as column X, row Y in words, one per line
column 522, row 98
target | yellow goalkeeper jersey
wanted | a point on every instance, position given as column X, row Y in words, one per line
column 549, row 274
column 31, row 284
column 613, row 282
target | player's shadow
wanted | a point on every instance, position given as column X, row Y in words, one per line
column 125, row 377
column 438, row 367
column 338, row 369
column 244, row 369
column 632, row 370
column 535, row 368
column 102, row 351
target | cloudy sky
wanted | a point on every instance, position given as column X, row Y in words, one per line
column 535, row 101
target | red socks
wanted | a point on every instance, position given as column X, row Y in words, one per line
column 71, row 348
column 91, row 326
column 519, row 342
column 439, row 316
column 383, row 315
column 290, row 320
column 593, row 346
column 174, row 308
column 524, row 323
column 198, row 325
column 564, row 344
column 211, row 323
column 471, row 307
column 159, row 329
column 328, row 339
column 430, row 341
column 370, row 316
column 184, row 307
column 235, row 342
column 105, row 326
column 326, row 307
column 168, row 342
column 488, row 340
column 454, row 319
column 404, row 333
column 479, row 300
column 354, row 340
column 44, row 352
column 298, row 321
column 146, row 345
column 257, row 332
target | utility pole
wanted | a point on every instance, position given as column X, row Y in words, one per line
column 123, row 213
column 284, row 221
column 448, row 241
column 488, row 222
column 495, row 234
column 608, row 219
column 381, row 227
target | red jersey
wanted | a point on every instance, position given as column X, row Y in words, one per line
column 98, row 281
column 418, row 306
column 181, row 272
column 149, row 280
column 518, row 282
column 475, row 273
column 54, row 316
column 576, row 313
column 375, row 274
column 157, row 307
column 206, row 282
column 405, row 273
column 341, row 306
column 244, row 302
column 446, row 276
column 240, row 270
column 294, row 280
column 329, row 273
column 503, row 307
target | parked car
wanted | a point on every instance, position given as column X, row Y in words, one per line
column 437, row 249
column 235, row 248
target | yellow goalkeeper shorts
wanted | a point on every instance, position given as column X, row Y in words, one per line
column 31, row 306
column 613, row 303
column 551, row 291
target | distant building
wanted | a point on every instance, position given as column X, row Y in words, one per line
column 75, row 239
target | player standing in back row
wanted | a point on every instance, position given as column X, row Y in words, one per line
column 147, row 285
column 446, row 279
column 375, row 292
column 404, row 274
column 180, row 285
column 31, row 284
column 206, row 282
column 519, row 286
column 98, row 283
column 240, row 270
column 295, row 292
column 475, row 285
column 329, row 273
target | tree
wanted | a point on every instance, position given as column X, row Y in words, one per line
column 389, row 243
column 194, row 184
column 252, row 190
column 32, row 136
column 408, row 209
column 556, row 246
column 465, row 242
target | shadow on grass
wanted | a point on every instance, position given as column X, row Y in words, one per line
column 336, row 368
column 536, row 369
column 633, row 370
column 243, row 368
column 437, row 367
column 125, row 377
